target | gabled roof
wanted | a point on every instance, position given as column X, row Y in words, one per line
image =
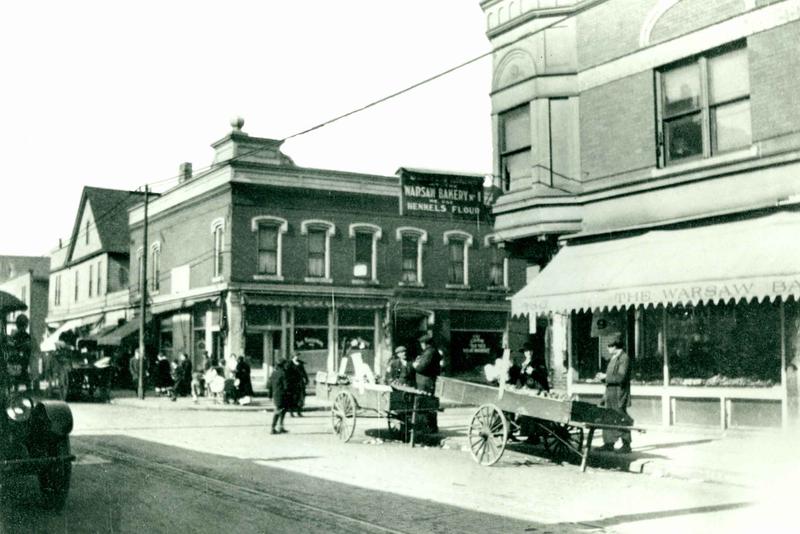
column 13, row 266
column 110, row 210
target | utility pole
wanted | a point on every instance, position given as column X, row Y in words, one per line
column 143, row 303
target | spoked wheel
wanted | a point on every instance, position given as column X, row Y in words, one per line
column 562, row 442
column 488, row 433
column 343, row 416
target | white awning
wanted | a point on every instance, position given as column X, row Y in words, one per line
column 748, row 259
column 49, row 343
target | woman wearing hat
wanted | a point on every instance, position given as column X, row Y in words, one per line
column 399, row 371
column 534, row 370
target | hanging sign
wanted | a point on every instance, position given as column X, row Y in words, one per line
column 445, row 196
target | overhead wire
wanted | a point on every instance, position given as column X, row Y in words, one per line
column 374, row 103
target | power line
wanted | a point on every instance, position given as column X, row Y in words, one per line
column 381, row 100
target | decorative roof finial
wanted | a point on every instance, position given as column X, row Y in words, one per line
column 236, row 123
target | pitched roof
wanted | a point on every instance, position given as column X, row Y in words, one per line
column 110, row 210
column 13, row 266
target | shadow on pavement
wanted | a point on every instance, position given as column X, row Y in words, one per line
column 630, row 518
column 265, row 492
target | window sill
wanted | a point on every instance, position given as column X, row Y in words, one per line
column 215, row 279
column 410, row 284
column 364, row 282
column 498, row 289
column 705, row 163
column 317, row 280
column 456, row 286
column 268, row 277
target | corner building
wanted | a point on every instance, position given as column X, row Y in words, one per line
column 259, row 256
column 648, row 154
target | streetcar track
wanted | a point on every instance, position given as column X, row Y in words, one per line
column 252, row 492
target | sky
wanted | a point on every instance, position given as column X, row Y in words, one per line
column 118, row 94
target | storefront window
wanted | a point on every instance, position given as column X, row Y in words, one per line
column 724, row 345
column 311, row 337
column 585, row 354
column 165, row 338
column 357, row 331
column 649, row 365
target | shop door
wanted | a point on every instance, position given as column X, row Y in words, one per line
column 273, row 353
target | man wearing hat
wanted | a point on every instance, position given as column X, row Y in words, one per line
column 20, row 357
column 426, row 364
column 618, row 393
column 399, row 371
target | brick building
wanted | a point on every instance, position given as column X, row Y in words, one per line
column 261, row 257
column 648, row 152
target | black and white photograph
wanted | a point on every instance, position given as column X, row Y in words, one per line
column 384, row 266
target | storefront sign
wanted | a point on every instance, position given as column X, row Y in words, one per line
column 441, row 196
column 722, row 291
column 477, row 345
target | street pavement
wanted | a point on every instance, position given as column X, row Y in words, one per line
column 523, row 485
column 751, row 458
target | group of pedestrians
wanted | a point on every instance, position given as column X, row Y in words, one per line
column 288, row 385
column 179, row 379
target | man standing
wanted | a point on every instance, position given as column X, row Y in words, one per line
column 427, row 365
column 20, row 357
column 399, row 370
column 618, row 393
column 133, row 367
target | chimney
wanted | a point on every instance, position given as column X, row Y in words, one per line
column 184, row 172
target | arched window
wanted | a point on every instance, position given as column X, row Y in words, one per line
column 269, row 232
column 365, row 260
column 411, row 241
column 155, row 267
column 458, row 244
column 318, row 234
column 218, row 233
column 498, row 263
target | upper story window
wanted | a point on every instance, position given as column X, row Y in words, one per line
column 515, row 146
column 498, row 264
column 269, row 237
column 155, row 267
column 99, row 277
column 140, row 268
column 704, row 105
column 218, row 234
column 91, row 279
column 57, row 291
column 411, row 241
column 77, row 283
column 365, row 239
column 318, row 234
column 87, row 232
column 458, row 244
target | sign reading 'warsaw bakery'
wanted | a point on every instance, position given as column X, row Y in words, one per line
column 441, row 195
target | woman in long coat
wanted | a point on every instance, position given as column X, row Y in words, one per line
column 281, row 396
column 242, row 374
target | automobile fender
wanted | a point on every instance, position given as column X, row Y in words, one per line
column 58, row 416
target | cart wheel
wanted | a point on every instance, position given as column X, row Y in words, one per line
column 343, row 416
column 563, row 442
column 488, row 432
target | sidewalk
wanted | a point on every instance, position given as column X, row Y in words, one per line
column 754, row 458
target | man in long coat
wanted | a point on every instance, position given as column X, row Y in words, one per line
column 618, row 393
column 281, row 396
column 426, row 365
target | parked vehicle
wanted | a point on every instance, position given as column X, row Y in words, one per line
column 34, row 433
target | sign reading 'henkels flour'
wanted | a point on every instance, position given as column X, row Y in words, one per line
column 438, row 194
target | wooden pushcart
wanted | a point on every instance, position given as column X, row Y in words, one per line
column 559, row 423
column 407, row 411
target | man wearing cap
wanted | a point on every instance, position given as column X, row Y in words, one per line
column 20, row 356
column 618, row 393
column 427, row 365
column 399, row 371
